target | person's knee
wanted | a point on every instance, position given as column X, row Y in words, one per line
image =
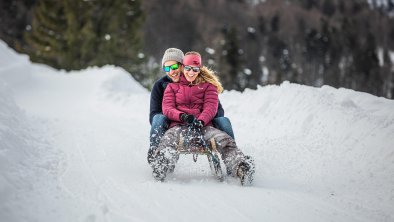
column 158, row 128
column 223, row 120
column 224, row 124
column 159, row 119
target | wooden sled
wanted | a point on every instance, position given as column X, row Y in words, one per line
column 204, row 149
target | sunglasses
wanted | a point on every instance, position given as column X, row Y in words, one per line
column 173, row 67
column 195, row 69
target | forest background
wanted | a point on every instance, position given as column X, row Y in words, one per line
column 248, row 42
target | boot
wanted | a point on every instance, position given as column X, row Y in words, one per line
column 160, row 167
column 245, row 171
column 150, row 155
column 164, row 162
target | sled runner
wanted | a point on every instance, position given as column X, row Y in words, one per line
column 196, row 145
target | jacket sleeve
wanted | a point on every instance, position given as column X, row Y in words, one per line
column 169, row 106
column 211, row 101
column 156, row 98
column 220, row 112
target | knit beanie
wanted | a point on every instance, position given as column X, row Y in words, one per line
column 172, row 54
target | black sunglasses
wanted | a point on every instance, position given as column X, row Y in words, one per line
column 195, row 69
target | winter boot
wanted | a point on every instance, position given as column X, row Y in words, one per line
column 163, row 163
column 160, row 172
column 160, row 167
column 171, row 166
column 150, row 155
column 246, row 171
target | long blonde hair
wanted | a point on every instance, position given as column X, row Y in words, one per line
column 207, row 75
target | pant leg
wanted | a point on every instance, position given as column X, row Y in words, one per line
column 166, row 154
column 158, row 128
column 223, row 124
column 226, row 146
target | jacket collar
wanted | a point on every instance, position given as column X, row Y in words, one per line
column 166, row 78
column 183, row 80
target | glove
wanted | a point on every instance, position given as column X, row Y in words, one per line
column 187, row 118
column 198, row 124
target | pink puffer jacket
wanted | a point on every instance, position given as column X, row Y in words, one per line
column 199, row 100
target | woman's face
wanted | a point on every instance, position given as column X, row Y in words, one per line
column 191, row 72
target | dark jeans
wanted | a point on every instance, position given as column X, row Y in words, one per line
column 223, row 124
column 160, row 126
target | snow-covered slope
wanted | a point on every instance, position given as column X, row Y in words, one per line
column 73, row 148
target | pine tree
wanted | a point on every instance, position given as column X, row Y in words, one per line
column 390, row 5
column 328, row 7
column 46, row 39
column 309, row 4
column 275, row 23
column 230, row 60
column 74, row 34
column 388, row 74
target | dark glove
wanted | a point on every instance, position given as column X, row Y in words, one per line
column 187, row 118
column 198, row 124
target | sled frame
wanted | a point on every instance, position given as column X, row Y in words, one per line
column 210, row 150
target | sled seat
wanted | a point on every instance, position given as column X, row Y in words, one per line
column 182, row 148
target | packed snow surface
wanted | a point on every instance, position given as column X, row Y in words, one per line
column 73, row 148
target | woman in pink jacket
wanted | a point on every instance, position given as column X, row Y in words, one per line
column 194, row 101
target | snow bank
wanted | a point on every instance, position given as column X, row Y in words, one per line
column 333, row 141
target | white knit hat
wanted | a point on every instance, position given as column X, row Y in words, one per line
column 172, row 54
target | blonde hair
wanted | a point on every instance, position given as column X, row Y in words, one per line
column 207, row 75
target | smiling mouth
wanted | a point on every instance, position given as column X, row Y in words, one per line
column 190, row 74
